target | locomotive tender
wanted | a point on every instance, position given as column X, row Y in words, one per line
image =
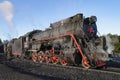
column 64, row 42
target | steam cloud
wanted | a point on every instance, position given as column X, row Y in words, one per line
column 109, row 44
column 7, row 10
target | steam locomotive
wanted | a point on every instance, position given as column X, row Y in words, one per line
column 64, row 42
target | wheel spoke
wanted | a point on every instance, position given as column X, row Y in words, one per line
column 34, row 58
column 47, row 59
column 40, row 56
column 63, row 62
column 55, row 59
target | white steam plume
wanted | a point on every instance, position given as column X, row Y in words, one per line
column 109, row 44
column 7, row 10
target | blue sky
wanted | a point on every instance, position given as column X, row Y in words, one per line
column 22, row 16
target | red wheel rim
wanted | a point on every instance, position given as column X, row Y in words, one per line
column 85, row 64
column 55, row 59
column 63, row 62
column 40, row 59
column 47, row 59
column 40, row 56
column 34, row 58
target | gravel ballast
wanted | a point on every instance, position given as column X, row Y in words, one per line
column 63, row 72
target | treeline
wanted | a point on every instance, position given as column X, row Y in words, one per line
column 115, row 42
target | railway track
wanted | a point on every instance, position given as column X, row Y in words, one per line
column 64, row 72
column 60, row 72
